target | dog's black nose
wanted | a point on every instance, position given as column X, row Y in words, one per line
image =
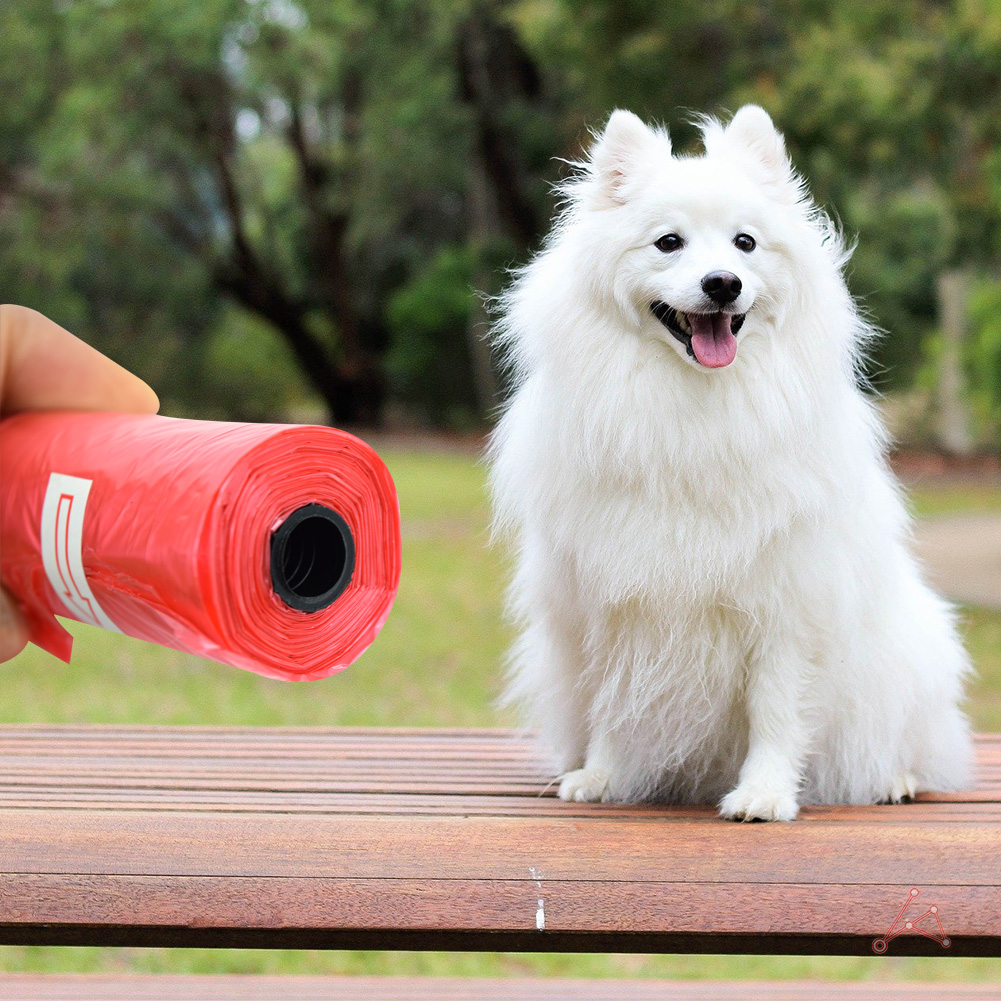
column 721, row 286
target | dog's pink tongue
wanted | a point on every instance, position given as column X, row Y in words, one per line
column 712, row 339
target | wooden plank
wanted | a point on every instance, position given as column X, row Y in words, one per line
column 661, row 848
column 490, row 914
column 215, row 837
column 212, row 801
column 247, row 770
column 300, row 988
column 285, row 742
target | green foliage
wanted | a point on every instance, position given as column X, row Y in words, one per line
column 428, row 360
column 981, row 362
column 250, row 373
column 319, row 161
column 893, row 110
column 983, row 359
column 904, row 241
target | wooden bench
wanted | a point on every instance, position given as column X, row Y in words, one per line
column 453, row 839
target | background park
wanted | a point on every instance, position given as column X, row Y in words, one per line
column 289, row 211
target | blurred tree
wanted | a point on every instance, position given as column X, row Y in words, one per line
column 301, row 158
column 318, row 163
column 70, row 243
column 983, row 359
column 501, row 87
column 896, row 109
column 427, row 363
column 266, row 222
column 230, row 130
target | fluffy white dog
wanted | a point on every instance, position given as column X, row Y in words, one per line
column 713, row 585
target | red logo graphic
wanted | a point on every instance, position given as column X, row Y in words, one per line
column 61, row 539
column 75, row 597
column 899, row 927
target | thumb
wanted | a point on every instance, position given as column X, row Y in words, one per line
column 13, row 630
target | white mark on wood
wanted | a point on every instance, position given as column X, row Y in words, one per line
column 540, row 913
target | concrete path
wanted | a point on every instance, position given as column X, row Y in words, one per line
column 962, row 554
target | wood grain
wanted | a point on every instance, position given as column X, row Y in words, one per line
column 269, row 988
column 452, row 839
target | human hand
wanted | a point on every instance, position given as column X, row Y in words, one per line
column 43, row 367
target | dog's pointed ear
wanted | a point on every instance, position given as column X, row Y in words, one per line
column 752, row 138
column 617, row 152
column 753, row 130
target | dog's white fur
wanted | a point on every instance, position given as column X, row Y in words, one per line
column 716, row 599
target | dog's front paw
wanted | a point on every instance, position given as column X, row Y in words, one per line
column 585, row 785
column 905, row 787
column 750, row 801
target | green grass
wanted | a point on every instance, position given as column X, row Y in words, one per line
column 956, row 498
column 982, row 630
column 436, row 663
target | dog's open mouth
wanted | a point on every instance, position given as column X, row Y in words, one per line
column 709, row 338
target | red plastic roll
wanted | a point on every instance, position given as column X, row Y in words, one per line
column 275, row 548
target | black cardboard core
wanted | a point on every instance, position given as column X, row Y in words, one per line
column 312, row 558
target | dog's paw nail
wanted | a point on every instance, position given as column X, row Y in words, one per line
column 585, row 785
column 748, row 802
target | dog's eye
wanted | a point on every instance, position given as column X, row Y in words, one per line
column 745, row 242
column 668, row 243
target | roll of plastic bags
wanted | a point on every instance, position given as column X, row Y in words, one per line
column 274, row 548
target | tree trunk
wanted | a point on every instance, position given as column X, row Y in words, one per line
column 494, row 73
column 953, row 419
column 360, row 380
column 288, row 320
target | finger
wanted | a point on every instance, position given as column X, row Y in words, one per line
column 43, row 367
column 13, row 631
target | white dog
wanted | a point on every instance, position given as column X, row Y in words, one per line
column 714, row 590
